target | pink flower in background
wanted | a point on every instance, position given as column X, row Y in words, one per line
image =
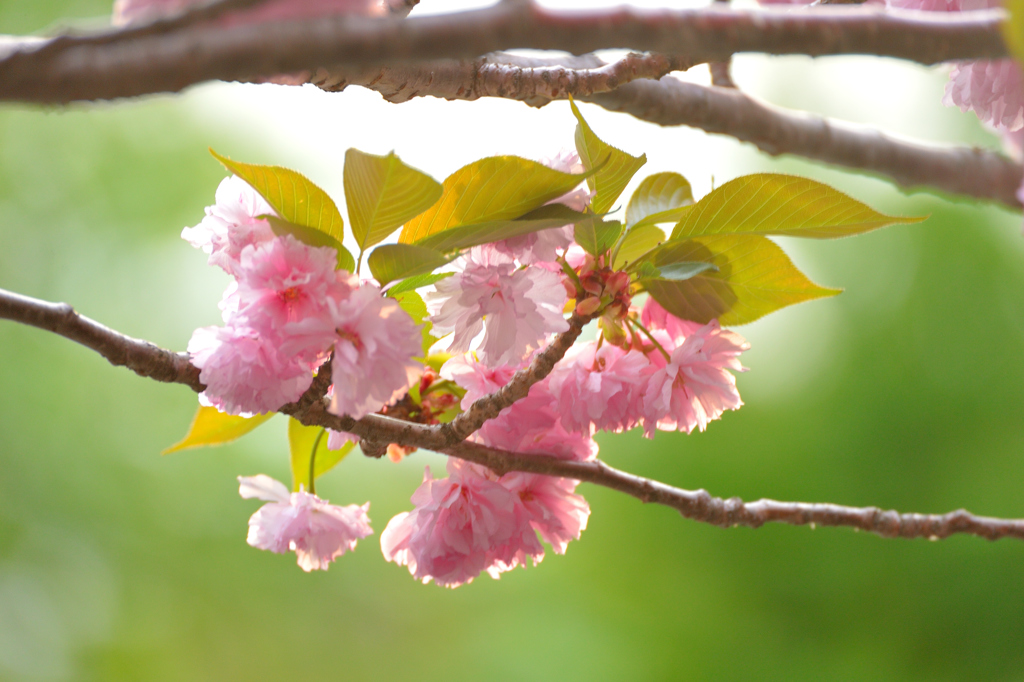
column 300, row 522
column 994, row 90
column 461, row 526
column 137, row 11
column 695, row 386
column 231, row 224
column 599, row 388
column 245, row 373
column 374, row 342
column 555, row 510
column 283, row 281
column 517, row 309
column 653, row 316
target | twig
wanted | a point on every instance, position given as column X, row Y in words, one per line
column 488, row 407
column 168, row 62
column 150, row 361
column 701, row 506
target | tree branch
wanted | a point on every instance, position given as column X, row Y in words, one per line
column 141, row 357
column 130, row 65
column 150, row 361
column 961, row 170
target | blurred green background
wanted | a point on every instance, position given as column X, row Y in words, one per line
column 118, row 564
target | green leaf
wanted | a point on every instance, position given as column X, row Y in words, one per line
column 754, row 278
column 412, row 303
column 301, row 440
column 313, row 237
column 543, row 218
column 660, row 198
column 597, row 236
column 614, row 167
column 494, row 188
column 389, row 262
column 294, row 197
column 413, row 283
column 684, row 270
column 210, row 426
column 768, row 203
column 382, row 193
column 639, row 240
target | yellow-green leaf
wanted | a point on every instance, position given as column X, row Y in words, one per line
column 417, row 282
column 412, row 303
column 382, row 193
column 639, row 240
column 313, row 237
column 494, row 188
column 614, row 167
column 768, row 203
column 754, row 277
column 301, row 441
column 389, row 262
column 294, row 197
column 660, row 198
column 1013, row 28
column 210, row 426
column 465, row 236
column 597, row 236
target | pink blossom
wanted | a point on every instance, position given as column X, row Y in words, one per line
column 460, row 526
column 138, row 11
column 374, row 341
column 653, row 316
column 283, row 281
column 694, row 386
column 516, row 308
column 245, row 373
column 231, row 224
column 300, row 522
column 600, row 388
column 994, row 90
column 555, row 511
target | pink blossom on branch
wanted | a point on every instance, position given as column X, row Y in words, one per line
column 461, row 526
column 517, row 309
column 695, row 386
column 994, row 90
column 231, row 224
column 300, row 522
column 284, row 281
column 554, row 508
column 374, row 343
column 245, row 373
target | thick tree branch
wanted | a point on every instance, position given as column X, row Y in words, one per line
column 150, row 361
column 141, row 357
column 78, row 69
column 961, row 170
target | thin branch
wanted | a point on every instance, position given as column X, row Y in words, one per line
column 701, row 506
column 959, row 170
column 968, row 171
column 488, row 407
column 141, row 357
column 168, row 62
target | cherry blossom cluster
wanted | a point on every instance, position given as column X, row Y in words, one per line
column 290, row 308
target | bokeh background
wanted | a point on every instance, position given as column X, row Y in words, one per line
column 904, row 392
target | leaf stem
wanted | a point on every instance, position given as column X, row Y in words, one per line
column 312, row 462
column 635, row 323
